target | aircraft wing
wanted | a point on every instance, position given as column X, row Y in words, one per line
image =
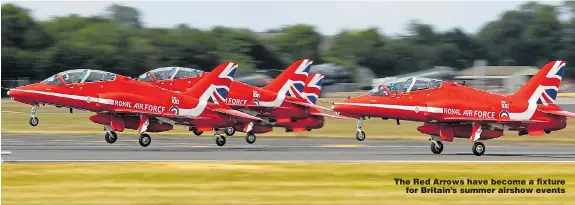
column 329, row 115
column 132, row 111
column 236, row 113
column 255, row 107
column 309, row 105
column 503, row 121
column 560, row 112
column 168, row 115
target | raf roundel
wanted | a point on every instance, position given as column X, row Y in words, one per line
column 504, row 114
column 175, row 110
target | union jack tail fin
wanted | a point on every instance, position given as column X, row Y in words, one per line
column 312, row 88
column 543, row 87
column 215, row 86
column 291, row 81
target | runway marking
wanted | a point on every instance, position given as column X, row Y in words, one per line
column 318, row 161
column 342, row 145
column 6, row 111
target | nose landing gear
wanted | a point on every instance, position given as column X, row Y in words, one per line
column 360, row 135
column 33, row 119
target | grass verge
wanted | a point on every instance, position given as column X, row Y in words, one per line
column 270, row 183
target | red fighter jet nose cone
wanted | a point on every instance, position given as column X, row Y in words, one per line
column 14, row 93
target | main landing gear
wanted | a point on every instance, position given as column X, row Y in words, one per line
column 437, row 147
column 33, row 119
column 360, row 135
column 195, row 131
column 220, row 139
column 230, row 131
column 110, row 135
column 478, row 147
column 145, row 140
column 250, row 138
column 436, row 144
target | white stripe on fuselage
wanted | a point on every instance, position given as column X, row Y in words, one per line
column 74, row 97
column 194, row 112
column 398, row 107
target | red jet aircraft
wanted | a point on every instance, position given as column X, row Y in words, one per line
column 450, row 110
column 121, row 102
column 282, row 102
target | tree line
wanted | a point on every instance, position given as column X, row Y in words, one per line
column 117, row 41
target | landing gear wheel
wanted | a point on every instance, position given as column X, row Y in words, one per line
column 478, row 148
column 230, row 131
column 111, row 138
column 197, row 133
column 34, row 121
column 250, row 138
column 437, row 149
column 145, row 140
column 220, row 140
column 360, row 135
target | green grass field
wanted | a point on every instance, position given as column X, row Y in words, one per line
column 270, row 183
column 59, row 121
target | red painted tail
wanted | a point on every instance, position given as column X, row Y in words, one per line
column 292, row 80
column 543, row 87
column 215, row 86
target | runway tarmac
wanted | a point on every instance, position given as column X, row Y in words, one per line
column 28, row 148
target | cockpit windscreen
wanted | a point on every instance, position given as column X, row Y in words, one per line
column 412, row 84
column 169, row 73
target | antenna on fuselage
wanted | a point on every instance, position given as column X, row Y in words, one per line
column 463, row 82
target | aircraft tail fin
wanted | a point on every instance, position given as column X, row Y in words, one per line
column 312, row 88
column 215, row 86
column 543, row 87
column 291, row 80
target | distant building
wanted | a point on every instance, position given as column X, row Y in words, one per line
column 337, row 78
column 258, row 80
column 503, row 79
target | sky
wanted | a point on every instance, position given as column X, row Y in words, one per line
column 329, row 17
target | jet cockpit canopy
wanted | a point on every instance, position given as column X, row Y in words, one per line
column 416, row 83
column 405, row 85
column 170, row 73
column 80, row 76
